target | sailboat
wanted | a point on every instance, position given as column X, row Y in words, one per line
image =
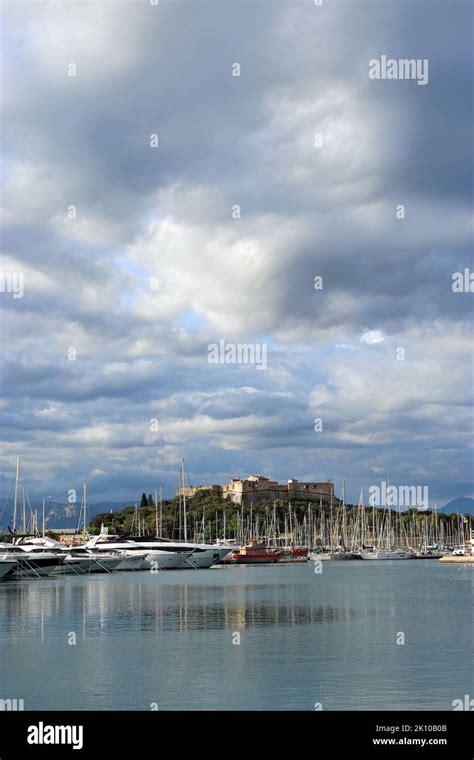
column 390, row 551
column 393, row 554
column 340, row 551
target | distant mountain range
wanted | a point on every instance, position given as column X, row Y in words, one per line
column 461, row 504
column 67, row 516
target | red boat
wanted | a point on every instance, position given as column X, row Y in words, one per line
column 299, row 554
column 255, row 554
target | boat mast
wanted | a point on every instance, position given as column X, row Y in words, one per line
column 161, row 509
column 15, row 501
column 344, row 536
column 388, row 539
column 322, row 526
column 331, row 524
column 43, row 518
column 184, row 502
column 84, row 502
column 23, row 508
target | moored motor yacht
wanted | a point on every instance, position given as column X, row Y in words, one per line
column 30, row 564
column 80, row 558
column 150, row 553
column 199, row 556
column 167, row 554
column 76, row 559
column 86, row 562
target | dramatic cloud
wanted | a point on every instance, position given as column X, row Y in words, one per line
column 155, row 203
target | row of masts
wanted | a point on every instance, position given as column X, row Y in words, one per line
column 25, row 519
column 22, row 508
column 27, row 522
column 350, row 529
column 334, row 527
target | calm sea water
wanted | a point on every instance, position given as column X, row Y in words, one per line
column 305, row 638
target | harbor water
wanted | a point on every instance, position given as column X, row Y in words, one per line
column 356, row 636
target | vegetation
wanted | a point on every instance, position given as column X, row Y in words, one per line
column 205, row 503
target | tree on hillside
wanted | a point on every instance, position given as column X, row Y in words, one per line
column 144, row 501
column 151, row 503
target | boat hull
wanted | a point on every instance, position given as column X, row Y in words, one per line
column 254, row 558
column 6, row 566
column 131, row 563
column 32, row 567
column 197, row 556
column 394, row 555
column 345, row 556
column 162, row 560
column 208, row 557
column 87, row 565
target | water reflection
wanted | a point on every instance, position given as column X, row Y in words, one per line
column 305, row 638
column 96, row 606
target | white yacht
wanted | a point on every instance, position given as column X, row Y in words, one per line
column 148, row 553
column 86, row 562
column 75, row 559
column 388, row 554
column 108, row 558
column 167, row 554
column 201, row 556
column 316, row 556
column 30, row 564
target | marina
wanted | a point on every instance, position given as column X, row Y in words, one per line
column 281, row 532
column 175, row 605
column 31, row 557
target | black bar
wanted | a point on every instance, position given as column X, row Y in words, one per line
column 343, row 734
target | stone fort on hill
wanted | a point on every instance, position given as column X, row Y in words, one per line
column 257, row 487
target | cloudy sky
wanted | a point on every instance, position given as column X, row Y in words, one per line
column 134, row 261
